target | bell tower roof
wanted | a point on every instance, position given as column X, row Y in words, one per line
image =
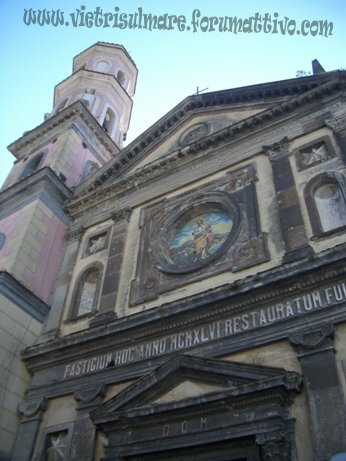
column 104, row 45
column 104, row 79
column 109, row 58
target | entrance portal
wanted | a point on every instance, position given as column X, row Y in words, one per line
column 224, row 451
column 200, row 409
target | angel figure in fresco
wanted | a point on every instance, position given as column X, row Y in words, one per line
column 203, row 238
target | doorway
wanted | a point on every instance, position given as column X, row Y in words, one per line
column 222, row 451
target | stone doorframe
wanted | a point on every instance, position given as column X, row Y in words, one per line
column 243, row 408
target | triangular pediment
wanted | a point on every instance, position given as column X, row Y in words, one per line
column 188, row 389
column 216, row 117
column 197, row 127
column 186, row 378
column 227, row 113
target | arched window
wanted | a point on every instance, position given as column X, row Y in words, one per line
column 33, row 165
column 121, row 77
column 87, row 99
column 89, row 168
column 109, row 121
column 325, row 197
column 86, row 297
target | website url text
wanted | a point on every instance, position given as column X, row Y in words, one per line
column 139, row 19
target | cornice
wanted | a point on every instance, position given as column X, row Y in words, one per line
column 68, row 115
column 22, row 297
column 238, row 400
column 106, row 45
column 266, row 287
column 180, row 367
column 74, row 235
column 99, row 187
column 37, row 181
column 236, row 379
column 88, row 73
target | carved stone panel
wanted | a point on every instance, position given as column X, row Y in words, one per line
column 87, row 395
column 96, row 243
column 320, row 151
column 201, row 233
column 31, row 408
column 194, row 132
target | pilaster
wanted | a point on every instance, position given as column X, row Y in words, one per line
column 338, row 125
column 274, row 446
column 32, row 413
column 84, row 431
column 52, row 323
column 291, row 220
column 315, row 350
column 110, row 287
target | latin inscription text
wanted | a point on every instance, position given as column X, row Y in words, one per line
column 233, row 325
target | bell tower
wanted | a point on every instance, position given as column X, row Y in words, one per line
column 85, row 129
column 90, row 117
column 89, row 121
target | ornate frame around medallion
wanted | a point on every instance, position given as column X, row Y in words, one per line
column 212, row 202
column 245, row 246
column 194, row 133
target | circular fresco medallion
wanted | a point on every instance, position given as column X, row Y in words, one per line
column 196, row 236
column 200, row 238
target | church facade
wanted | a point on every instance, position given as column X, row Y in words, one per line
column 191, row 285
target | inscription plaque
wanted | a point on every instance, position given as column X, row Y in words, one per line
column 247, row 320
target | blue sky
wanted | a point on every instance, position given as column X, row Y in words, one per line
column 171, row 63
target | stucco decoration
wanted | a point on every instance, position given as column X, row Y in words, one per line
column 312, row 339
column 194, row 132
column 96, row 243
column 30, row 408
column 198, row 234
column 320, row 151
column 90, row 393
